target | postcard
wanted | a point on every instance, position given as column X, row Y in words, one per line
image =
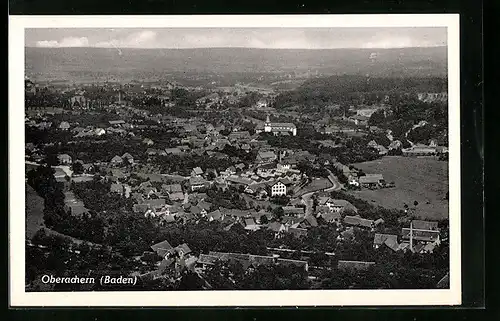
column 236, row 160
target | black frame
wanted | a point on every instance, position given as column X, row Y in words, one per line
column 472, row 142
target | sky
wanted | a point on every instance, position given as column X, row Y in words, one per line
column 272, row 38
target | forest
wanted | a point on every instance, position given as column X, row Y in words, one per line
column 355, row 90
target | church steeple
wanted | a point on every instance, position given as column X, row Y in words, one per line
column 267, row 124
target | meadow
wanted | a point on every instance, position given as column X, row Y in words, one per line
column 424, row 180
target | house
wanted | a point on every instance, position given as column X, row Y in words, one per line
column 122, row 189
column 390, row 240
column 128, row 157
column 239, row 135
column 117, row 160
column 99, row 131
column 371, row 180
column 204, row 205
column 359, row 120
column 309, row 221
column 354, row 265
column 278, row 189
column 421, row 235
column 148, row 141
column 162, row 248
column 250, row 224
column 174, row 191
column 64, row 159
column 339, row 206
column 327, row 215
column 419, row 150
column 215, row 216
column 64, row 125
column 197, row 183
column 425, row 225
column 206, row 260
column 197, row 171
column 358, row 221
column 278, row 228
column 266, row 157
column 239, row 181
column 292, row 210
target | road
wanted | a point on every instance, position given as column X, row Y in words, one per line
column 307, row 197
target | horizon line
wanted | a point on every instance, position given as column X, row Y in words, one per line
column 260, row 48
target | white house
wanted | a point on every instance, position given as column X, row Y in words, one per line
column 278, row 189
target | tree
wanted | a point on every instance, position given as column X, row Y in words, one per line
column 278, row 213
column 77, row 168
column 415, row 203
column 263, row 219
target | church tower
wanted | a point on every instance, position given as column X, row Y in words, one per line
column 267, row 125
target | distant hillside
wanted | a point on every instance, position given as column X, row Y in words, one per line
column 69, row 63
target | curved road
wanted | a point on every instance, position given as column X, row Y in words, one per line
column 307, row 198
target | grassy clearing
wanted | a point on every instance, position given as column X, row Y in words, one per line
column 424, row 180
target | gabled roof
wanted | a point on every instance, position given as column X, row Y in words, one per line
column 197, row 171
column 216, row 215
column 162, row 248
column 266, row 154
column 275, row 226
column 312, row 221
column 379, row 238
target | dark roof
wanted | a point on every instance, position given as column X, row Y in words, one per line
column 161, row 248
column 379, row 238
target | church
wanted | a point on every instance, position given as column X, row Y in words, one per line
column 277, row 128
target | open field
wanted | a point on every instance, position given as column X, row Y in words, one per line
column 424, row 180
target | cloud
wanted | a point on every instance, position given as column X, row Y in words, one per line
column 65, row 42
column 401, row 42
column 140, row 39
